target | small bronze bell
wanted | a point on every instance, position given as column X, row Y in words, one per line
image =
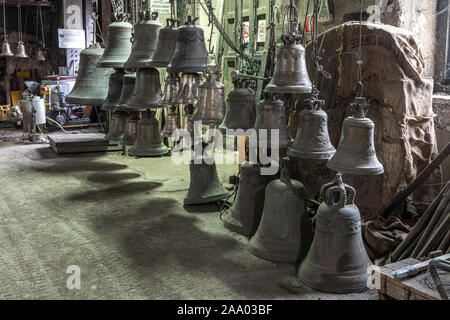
column 145, row 37
column 91, row 85
column 172, row 86
column 270, row 115
column 205, row 185
column 313, row 140
column 114, row 90
column 190, row 54
column 21, row 51
column 148, row 142
column 188, row 119
column 241, row 109
column 356, row 152
column 337, row 261
column 245, row 214
column 165, row 48
column 147, row 91
column 6, row 50
column 129, row 137
column 188, row 93
column 128, row 84
column 40, row 55
column 118, row 125
column 172, row 123
column 118, row 45
column 211, row 101
column 279, row 237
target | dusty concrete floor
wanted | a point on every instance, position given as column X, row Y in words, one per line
column 121, row 220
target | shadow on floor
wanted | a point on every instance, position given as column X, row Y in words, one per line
column 83, row 165
column 110, row 178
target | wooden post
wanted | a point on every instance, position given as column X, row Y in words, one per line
column 106, row 15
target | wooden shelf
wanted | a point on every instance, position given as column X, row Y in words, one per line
column 25, row 3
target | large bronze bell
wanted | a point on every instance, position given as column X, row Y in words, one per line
column 172, row 123
column 290, row 75
column 6, row 50
column 312, row 140
column 279, row 237
column 270, row 115
column 356, row 152
column 205, row 185
column 148, row 142
column 188, row 93
column 128, row 84
column 190, row 54
column 40, row 55
column 129, row 137
column 145, row 38
column 21, row 51
column 147, row 91
column 211, row 101
column 91, row 85
column 118, row 45
column 114, row 90
column 245, row 214
column 241, row 109
column 167, row 42
column 118, row 125
column 172, row 86
column 337, row 261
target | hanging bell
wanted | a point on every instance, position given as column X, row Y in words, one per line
column 118, row 125
column 165, row 47
column 148, row 142
column 147, row 91
column 337, row 261
column 188, row 123
column 211, row 101
column 145, row 37
column 205, row 184
column 21, row 51
column 245, row 214
column 129, row 137
column 190, row 54
column 290, row 75
column 270, row 115
column 188, row 93
column 284, row 226
column 172, row 123
column 6, row 50
column 40, row 55
column 241, row 109
column 171, row 88
column 114, row 90
column 118, row 45
column 312, row 140
column 356, row 152
column 90, row 87
column 128, row 84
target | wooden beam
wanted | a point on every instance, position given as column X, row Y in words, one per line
column 106, row 16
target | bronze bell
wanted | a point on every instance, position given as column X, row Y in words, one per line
column 91, row 85
column 337, row 261
column 129, row 137
column 21, row 51
column 114, row 90
column 148, row 142
column 290, row 75
column 118, row 45
column 188, row 93
column 270, row 115
column 241, row 109
column 279, row 236
column 172, row 123
column 165, row 48
column 205, row 185
column 356, row 152
column 6, row 50
column 312, row 140
column 245, row 214
column 188, row 123
column 171, row 88
column 147, row 91
column 128, row 84
column 118, row 125
column 40, row 56
column 145, row 37
column 211, row 101
column 190, row 54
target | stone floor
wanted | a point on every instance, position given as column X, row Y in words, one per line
column 122, row 221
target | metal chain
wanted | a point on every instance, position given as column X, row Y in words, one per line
column 42, row 26
column 5, row 37
column 19, row 19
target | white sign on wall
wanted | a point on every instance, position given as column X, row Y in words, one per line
column 161, row 6
column 262, row 30
column 246, row 32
